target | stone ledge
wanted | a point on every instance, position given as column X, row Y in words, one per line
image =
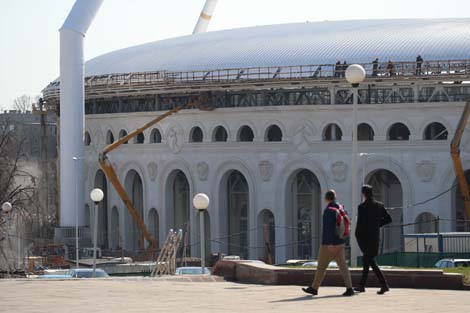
column 271, row 275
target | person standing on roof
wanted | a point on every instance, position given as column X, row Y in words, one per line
column 375, row 67
column 338, row 69
column 345, row 67
column 332, row 247
column 390, row 68
column 419, row 65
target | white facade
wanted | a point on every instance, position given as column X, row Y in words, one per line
column 423, row 167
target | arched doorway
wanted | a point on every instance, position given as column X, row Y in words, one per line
column 458, row 210
column 178, row 206
column 115, row 235
column 102, row 183
column 237, row 197
column 135, row 191
column 266, row 236
column 153, row 225
column 388, row 190
column 426, row 223
column 303, row 214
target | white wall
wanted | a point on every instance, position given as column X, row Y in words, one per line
column 424, row 168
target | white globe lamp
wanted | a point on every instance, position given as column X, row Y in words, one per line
column 355, row 74
column 96, row 195
column 201, row 201
column 7, row 207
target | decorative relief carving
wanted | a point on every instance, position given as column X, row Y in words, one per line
column 426, row 170
column 174, row 139
column 152, row 168
column 303, row 137
column 266, row 170
column 339, row 170
column 202, row 170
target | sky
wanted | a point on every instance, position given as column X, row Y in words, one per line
column 29, row 37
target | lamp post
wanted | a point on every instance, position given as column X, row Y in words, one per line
column 201, row 203
column 77, row 251
column 355, row 74
column 6, row 208
column 96, row 196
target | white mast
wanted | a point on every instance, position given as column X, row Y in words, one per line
column 205, row 17
column 72, row 109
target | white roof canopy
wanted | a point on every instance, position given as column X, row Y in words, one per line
column 295, row 44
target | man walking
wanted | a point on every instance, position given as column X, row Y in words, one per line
column 371, row 217
column 332, row 247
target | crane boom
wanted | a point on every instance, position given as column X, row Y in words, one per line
column 110, row 173
column 458, row 167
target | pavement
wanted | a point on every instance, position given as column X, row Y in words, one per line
column 210, row 295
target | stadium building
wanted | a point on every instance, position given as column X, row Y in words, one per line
column 279, row 134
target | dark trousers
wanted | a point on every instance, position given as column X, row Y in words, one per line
column 368, row 258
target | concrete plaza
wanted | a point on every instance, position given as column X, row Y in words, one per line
column 176, row 295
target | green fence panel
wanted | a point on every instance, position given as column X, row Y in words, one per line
column 415, row 260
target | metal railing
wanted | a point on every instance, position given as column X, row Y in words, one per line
column 384, row 70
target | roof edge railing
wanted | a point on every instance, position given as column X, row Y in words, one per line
column 379, row 70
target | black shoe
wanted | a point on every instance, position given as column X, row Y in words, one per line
column 383, row 290
column 360, row 289
column 310, row 291
column 349, row 292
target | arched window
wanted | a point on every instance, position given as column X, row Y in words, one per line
column 332, row 132
column 435, row 131
column 87, row 139
column 109, row 137
column 273, row 133
column 398, row 132
column 155, row 136
column 196, row 135
column 220, row 134
column 122, row 134
column 139, row 139
column 245, row 134
column 365, row 132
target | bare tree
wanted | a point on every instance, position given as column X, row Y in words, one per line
column 17, row 185
column 23, row 103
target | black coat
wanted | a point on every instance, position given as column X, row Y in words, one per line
column 371, row 217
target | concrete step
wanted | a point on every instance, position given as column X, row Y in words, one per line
column 397, row 278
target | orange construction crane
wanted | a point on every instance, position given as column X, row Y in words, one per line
column 458, row 167
column 112, row 176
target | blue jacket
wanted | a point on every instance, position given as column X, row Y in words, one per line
column 329, row 226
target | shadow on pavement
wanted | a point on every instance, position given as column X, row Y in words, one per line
column 306, row 298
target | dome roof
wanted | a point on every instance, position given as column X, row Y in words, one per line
column 359, row 41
